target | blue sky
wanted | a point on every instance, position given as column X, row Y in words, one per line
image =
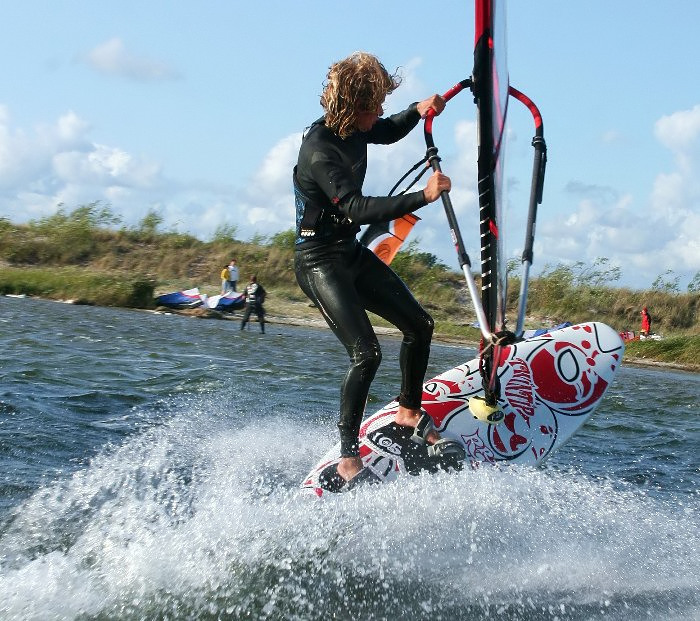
column 196, row 110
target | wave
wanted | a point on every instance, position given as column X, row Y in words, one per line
column 201, row 516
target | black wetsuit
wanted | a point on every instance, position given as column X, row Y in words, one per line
column 345, row 279
column 255, row 296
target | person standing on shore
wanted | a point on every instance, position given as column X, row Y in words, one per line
column 232, row 275
column 254, row 299
column 342, row 277
column 646, row 323
column 224, row 281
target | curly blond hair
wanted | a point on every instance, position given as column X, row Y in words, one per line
column 357, row 83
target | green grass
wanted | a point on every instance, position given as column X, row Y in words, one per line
column 79, row 284
column 679, row 350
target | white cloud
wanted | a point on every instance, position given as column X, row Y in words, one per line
column 675, row 200
column 679, row 131
column 26, row 157
column 267, row 204
column 104, row 166
column 643, row 240
column 57, row 163
column 112, row 58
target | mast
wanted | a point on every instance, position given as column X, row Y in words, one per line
column 490, row 88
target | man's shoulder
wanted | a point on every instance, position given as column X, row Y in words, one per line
column 319, row 137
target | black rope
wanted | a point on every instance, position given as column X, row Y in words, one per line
column 410, row 185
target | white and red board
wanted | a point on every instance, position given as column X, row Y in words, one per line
column 550, row 385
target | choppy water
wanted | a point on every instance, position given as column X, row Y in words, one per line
column 149, row 469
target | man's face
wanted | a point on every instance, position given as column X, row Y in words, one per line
column 366, row 118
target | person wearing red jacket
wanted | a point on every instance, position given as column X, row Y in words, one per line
column 646, row 323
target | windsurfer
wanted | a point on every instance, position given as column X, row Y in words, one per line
column 342, row 277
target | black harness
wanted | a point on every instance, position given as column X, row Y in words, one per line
column 316, row 221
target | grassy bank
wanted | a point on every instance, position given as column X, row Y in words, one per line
column 83, row 255
column 81, row 285
column 676, row 351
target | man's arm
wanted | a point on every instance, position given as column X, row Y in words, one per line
column 397, row 126
column 391, row 129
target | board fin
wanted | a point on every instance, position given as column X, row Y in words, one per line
column 485, row 412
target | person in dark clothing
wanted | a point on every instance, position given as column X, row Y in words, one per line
column 342, row 277
column 254, row 299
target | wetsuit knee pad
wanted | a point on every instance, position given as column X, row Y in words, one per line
column 366, row 355
column 420, row 334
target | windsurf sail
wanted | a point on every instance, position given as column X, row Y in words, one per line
column 230, row 301
column 192, row 298
column 536, row 188
column 385, row 239
column 490, row 86
column 490, row 89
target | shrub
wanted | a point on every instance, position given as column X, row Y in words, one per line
column 225, row 234
column 284, row 240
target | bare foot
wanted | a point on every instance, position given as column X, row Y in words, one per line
column 348, row 467
column 409, row 418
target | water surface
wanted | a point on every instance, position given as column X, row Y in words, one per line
column 150, row 464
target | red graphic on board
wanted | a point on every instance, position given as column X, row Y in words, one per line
column 519, row 389
column 515, row 434
column 441, row 398
column 566, row 378
column 477, row 449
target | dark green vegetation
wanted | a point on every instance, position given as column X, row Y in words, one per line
column 86, row 256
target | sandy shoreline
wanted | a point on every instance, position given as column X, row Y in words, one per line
column 317, row 322
column 309, row 322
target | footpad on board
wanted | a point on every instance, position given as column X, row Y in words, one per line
column 396, row 441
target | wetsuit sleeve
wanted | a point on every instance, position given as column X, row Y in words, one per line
column 375, row 209
column 338, row 185
column 393, row 128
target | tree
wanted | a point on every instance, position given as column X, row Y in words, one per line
column 284, row 239
column 150, row 223
column 225, row 233
column 665, row 283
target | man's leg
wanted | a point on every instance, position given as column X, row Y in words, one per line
column 246, row 315
column 386, row 295
column 329, row 284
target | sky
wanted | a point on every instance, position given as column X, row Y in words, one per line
column 195, row 111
